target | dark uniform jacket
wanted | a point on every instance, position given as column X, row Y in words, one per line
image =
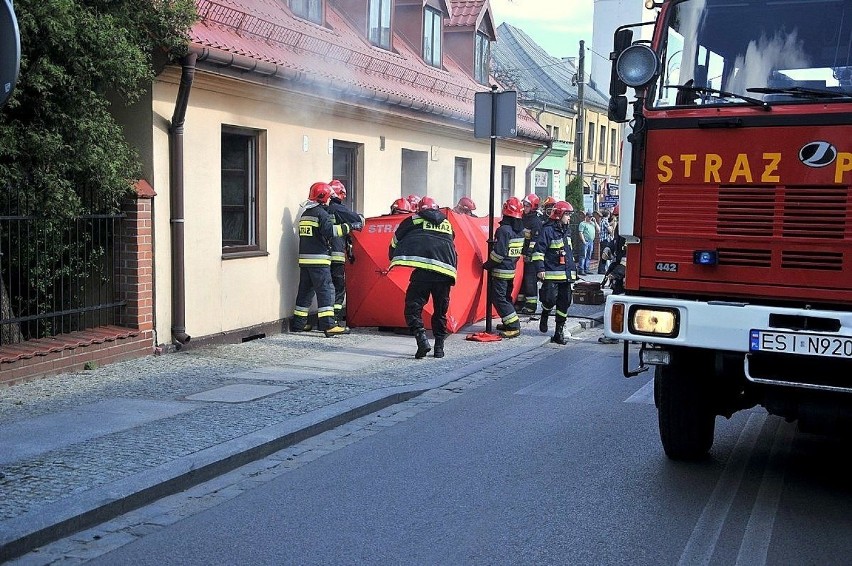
column 553, row 253
column 424, row 241
column 316, row 230
column 507, row 248
column 533, row 223
column 341, row 214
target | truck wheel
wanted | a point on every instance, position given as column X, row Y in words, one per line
column 687, row 422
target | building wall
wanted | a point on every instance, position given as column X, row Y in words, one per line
column 225, row 295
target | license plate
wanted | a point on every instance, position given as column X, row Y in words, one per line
column 800, row 343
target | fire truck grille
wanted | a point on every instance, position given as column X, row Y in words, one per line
column 745, row 258
column 823, row 261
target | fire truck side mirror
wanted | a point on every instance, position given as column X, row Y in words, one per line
column 622, row 40
column 617, row 111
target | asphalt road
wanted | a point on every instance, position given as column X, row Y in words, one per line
column 552, row 458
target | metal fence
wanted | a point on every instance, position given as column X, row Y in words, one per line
column 56, row 276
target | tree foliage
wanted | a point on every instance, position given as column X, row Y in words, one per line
column 574, row 193
column 58, row 139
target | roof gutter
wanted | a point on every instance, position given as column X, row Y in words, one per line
column 176, row 181
column 529, row 171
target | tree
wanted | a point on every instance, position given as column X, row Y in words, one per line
column 574, row 193
column 58, row 139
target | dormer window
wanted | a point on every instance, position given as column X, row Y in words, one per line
column 308, row 10
column 380, row 23
column 432, row 30
column 482, row 58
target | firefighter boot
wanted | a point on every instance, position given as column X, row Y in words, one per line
column 559, row 335
column 335, row 330
column 423, row 346
column 542, row 323
column 438, row 351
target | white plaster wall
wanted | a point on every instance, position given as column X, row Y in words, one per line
column 229, row 294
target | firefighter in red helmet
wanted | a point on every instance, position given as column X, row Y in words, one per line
column 465, row 206
column 316, row 229
column 425, row 241
column 413, row 200
column 555, row 268
column 507, row 248
column 527, row 302
column 401, row 206
column 341, row 247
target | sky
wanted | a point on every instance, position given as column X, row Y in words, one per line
column 556, row 25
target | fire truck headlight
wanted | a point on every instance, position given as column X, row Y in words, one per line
column 705, row 257
column 654, row 321
column 637, row 65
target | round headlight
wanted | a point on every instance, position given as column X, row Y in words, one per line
column 637, row 65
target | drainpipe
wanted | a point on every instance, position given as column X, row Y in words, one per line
column 534, row 164
column 176, row 174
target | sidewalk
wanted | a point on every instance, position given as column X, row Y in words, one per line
column 81, row 448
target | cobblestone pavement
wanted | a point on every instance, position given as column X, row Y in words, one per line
column 82, row 448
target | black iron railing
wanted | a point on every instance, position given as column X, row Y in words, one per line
column 56, row 276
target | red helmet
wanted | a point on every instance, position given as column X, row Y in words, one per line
column 513, row 208
column 400, row 206
column 320, row 192
column 413, row 200
column 338, row 188
column 548, row 203
column 427, row 203
column 560, row 209
column 532, row 200
column 466, row 205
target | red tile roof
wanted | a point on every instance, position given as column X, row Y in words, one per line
column 466, row 12
column 336, row 61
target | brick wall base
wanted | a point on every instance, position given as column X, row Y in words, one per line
column 40, row 363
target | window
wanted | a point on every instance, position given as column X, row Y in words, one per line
column 380, row 23
column 240, row 194
column 414, row 169
column 612, row 145
column 590, row 143
column 344, row 168
column 602, row 145
column 483, row 57
column 461, row 179
column 308, row 10
column 541, row 179
column 432, row 27
column 556, row 132
column 507, row 183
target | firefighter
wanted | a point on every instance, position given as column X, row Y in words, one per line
column 341, row 246
column 465, row 206
column 555, row 267
column 527, row 302
column 413, row 200
column 507, row 249
column 425, row 241
column 401, row 206
column 547, row 207
column 316, row 229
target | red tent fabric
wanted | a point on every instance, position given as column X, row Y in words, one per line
column 376, row 296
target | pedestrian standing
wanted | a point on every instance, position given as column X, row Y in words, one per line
column 507, row 249
column 341, row 246
column 555, row 267
column 527, row 302
column 587, row 231
column 606, row 237
column 425, row 241
column 316, row 229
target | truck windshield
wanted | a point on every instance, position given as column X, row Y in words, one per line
column 722, row 52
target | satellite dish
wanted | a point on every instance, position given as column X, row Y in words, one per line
column 10, row 50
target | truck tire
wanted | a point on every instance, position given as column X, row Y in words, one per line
column 687, row 422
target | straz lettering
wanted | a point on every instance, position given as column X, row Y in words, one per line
column 380, row 228
column 515, row 251
column 712, row 168
column 444, row 227
column 306, row 231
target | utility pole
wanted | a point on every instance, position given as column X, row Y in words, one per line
column 581, row 119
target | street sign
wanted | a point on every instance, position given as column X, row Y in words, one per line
column 506, row 119
column 10, row 50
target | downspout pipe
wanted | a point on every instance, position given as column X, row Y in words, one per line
column 534, row 164
column 176, row 181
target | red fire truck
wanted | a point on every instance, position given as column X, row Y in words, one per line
column 738, row 220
